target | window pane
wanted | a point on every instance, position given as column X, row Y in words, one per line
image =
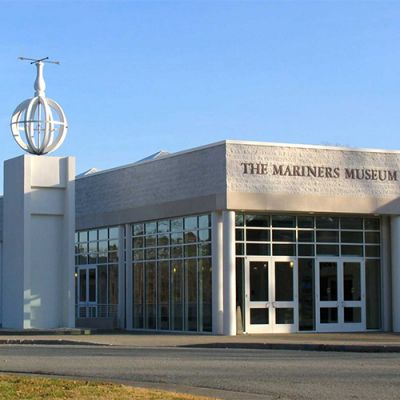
column 190, row 223
column 284, row 249
column 163, row 295
column 259, row 289
column 190, row 237
column 259, row 316
column 372, row 237
column 372, row 224
column 284, row 280
column 150, row 227
column 138, row 242
column 205, row 304
column 102, row 285
column 352, row 281
column 204, row 235
column 239, row 219
column 352, row 314
column 103, row 234
column 113, row 284
column 257, row 235
column 113, row 233
column 351, row 223
column 138, row 295
column 150, row 295
column 372, row 251
column 257, row 220
column 239, row 235
column 373, row 290
column 191, row 294
column 306, row 236
column 283, row 221
column 306, row 249
column 177, row 225
column 356, row 251
column 163, row 239
column 327, row 222
column 328, row 236
column 351, row 237
column 283, row 236
column 204, row 221
column 163, row 226
column 254, row 249
column 284, row 316
column 327, row 250
column 328, row 281
column 93, row 235
column 138, row 229
column 305, row 222
column 328, row 315
column 176, row 295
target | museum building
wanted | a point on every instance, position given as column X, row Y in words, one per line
column 238, row 237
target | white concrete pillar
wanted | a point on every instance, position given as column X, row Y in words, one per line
column 229, row 273
column 217, row 273
column 38, row 289
column 395, row 250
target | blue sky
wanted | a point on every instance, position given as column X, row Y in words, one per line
column 137, row 77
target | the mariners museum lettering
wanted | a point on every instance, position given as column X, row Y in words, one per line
column 309, row 171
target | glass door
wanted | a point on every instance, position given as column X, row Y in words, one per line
column 258, row 296
column 271, row 295
column 340, row 295
column 87, row 293
column 285, row 289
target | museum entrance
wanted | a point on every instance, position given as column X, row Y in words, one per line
column 271, row 295
column 340, row 295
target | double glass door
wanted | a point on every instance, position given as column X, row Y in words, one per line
column 340, row 295
column 87, row 293
column 271, row 294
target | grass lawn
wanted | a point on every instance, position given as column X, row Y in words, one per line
column 13, row 387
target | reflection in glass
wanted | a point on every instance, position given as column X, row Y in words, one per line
column 284, row 221
column 284, row 316
column 306, row 294
column 82, row 285
column 163, row 295
column 373, row 290
column 328, row 315
column 205, row 289
column 328, row 281
column 284, row 280
column 177, row 295
column 92, row 285
column 150, row 295
column 352, row 281
column 257, row 220
column 259, row 316
column 352, row 314
column 258, row 281
column 102, row 284
column 138, row 295
column 257, row 235
column 191, row 298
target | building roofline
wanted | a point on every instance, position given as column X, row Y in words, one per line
column 245, row 142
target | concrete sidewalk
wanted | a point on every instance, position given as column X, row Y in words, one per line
column 356, row 342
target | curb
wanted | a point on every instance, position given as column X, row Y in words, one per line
column 353, row 348
column 50, row 342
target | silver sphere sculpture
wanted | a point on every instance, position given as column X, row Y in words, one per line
column 39, row 125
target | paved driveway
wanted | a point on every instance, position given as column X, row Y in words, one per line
column 223, row 373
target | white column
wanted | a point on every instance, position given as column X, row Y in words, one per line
column 395, row 247
column 217, row 274
column 229, row 273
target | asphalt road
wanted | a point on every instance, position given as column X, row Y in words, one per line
column 223, row 373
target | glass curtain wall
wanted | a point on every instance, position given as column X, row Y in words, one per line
column 172, row 274
column 96, row 272
column 308, row 237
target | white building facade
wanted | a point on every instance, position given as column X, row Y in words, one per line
column 241, row 237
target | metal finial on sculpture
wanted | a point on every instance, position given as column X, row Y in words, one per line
column 39, row 125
